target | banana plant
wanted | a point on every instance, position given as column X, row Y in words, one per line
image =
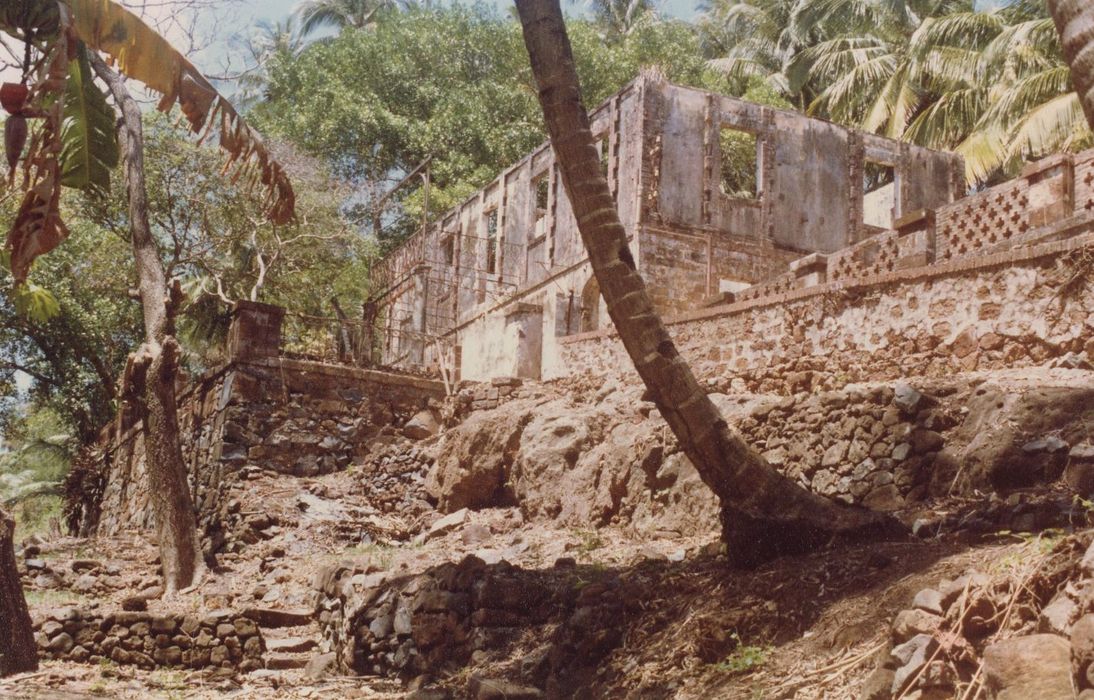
column 76, row 145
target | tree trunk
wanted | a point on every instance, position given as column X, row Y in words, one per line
column 764, row 514
column 18, row 651
column 149, row 381
column 1075, row 22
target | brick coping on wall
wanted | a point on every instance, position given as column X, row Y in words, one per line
column 913, row 274
column 348, row 372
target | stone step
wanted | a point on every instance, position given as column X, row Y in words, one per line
column 293, row 645
column 285, row 661
column 277, row 617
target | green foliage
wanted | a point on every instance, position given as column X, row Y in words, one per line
column 89, row 141
column 221, row 246
column 450, row 82
column 35, row 303
column 990, row 85
column 68, row 329
column 744, row 659
column 739, row 163
column 31, row 471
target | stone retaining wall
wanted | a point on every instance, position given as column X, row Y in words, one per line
column 288, row 416
column 1012, row 309
column 561, row 620
column 215, row 639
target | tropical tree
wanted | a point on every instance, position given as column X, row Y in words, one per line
column 62, row 42
column 991, row 85
column 619, row 17
column 764, row 514
column 748, row 40
column 270, row 42
column 339, row 14
column 373, row 105
column 994, row 87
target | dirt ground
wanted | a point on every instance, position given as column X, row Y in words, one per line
column 803, row 627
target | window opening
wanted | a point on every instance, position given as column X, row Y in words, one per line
column 492, row 241
column 878, row 194
column 740, row 163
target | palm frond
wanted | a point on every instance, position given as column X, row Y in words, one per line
column 1052, row 127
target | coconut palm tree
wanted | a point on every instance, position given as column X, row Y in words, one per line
column 857, row 58
column 764, row 514
column 281, row 40
column 619, row 17
column 994, row 87
column 339, row 14
column 748, row 39
column 1075, row 22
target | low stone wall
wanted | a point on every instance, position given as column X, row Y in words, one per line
column 1013, row 309
column 217, row 639
column 559, row 621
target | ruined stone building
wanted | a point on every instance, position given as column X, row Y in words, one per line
column 717, row 195
column 788, row 256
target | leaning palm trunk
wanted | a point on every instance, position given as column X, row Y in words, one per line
column 764, row 514
column 150, row 373
column 18, row 651
column 1075, row 22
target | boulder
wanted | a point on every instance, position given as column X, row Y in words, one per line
column 443, row 526
column 1056, row 617
column 906, row 398
column 1034, row 666
column 878, row 685
column 474, row 460
column 1082, row 646
column 928, row 599
column 910, row 623
column 1079, row 473
column 422, row 425
column 909, row 658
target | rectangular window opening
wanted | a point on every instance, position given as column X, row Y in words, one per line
column 878, row 194
column 602, row 149
column 448, row 248
column 492, row 241
column 542, row 191
column 740, row 163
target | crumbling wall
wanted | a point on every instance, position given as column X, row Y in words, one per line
column 698, row 240
column 294, row 417
column 516, row 242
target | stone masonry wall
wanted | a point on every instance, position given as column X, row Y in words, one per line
column 219, row 639
column 288, row 416
column 1011, row 309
